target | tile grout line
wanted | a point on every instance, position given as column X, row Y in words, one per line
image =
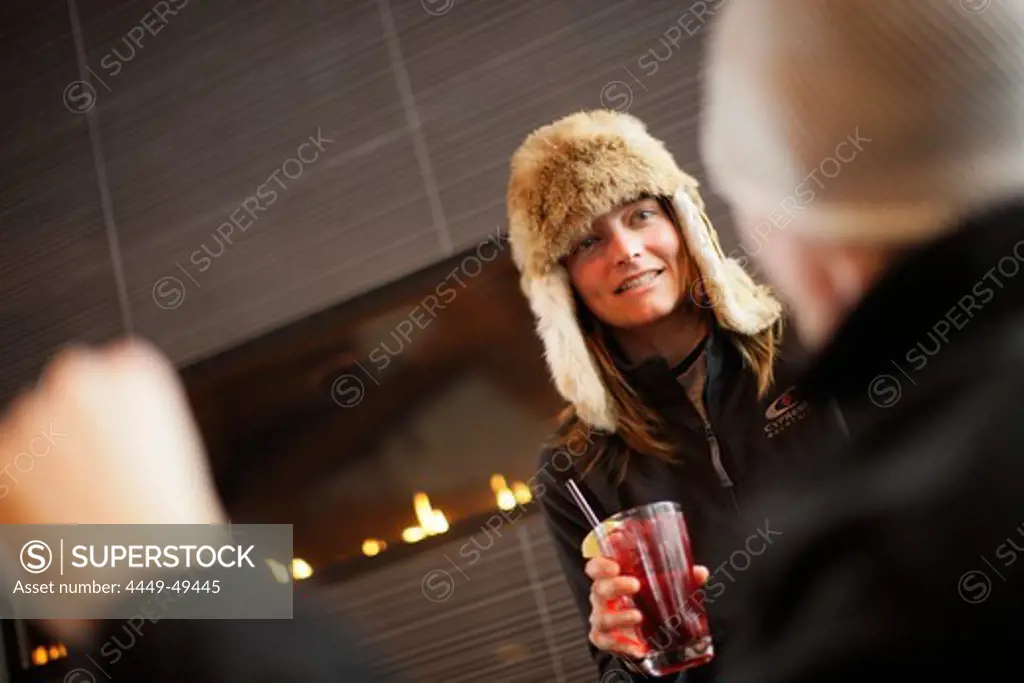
column 412, row 118
column 99, row 165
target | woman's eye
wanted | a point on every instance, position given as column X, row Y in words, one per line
column 586, row 243
column 644, row 214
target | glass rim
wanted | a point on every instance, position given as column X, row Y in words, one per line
column 646, row 510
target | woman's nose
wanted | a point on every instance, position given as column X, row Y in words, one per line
column 627, row 245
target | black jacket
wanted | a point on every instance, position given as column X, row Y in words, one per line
column 902, row 554
column 712, row 484
column 315, row 646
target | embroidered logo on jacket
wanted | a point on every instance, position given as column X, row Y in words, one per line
column 784, row 411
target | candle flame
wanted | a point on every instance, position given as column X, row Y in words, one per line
column 522, row 493
column 506, row 499
column 424, row 512
column 278, row 570
column 438, row 523
column 301, row 569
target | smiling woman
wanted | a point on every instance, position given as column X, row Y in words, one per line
column 663, row 349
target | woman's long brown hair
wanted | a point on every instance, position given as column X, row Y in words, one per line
column 640, row 428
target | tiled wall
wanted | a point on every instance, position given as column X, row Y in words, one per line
column 488, row 606
column 132, row 131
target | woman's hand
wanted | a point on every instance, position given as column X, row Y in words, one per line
column 614, row 621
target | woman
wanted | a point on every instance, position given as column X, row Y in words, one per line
column 666, row 351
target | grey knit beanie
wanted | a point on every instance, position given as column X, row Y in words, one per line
column 869, row 120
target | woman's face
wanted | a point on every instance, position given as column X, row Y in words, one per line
column 627, row 270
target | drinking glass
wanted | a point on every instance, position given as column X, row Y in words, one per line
column 651, row 543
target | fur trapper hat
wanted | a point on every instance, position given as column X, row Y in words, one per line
column 566, row 174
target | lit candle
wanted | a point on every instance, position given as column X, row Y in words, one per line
column 301, row 569
column 506, row 499
column 424, row 512
column 438, row 523
column 522, row 492
column 498, row 483
column 278, row 570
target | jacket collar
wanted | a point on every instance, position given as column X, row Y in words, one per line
column 655, row 380
column 925, row 294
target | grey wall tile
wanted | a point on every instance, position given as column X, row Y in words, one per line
column 523, row 64
column 56, row 279
column 310, row 249
column 198, row 118
column 434, row 623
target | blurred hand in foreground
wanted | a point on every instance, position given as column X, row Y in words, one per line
column 105, row 437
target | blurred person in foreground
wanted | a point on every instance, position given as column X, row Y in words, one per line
column 667, row 352
column 130, row 453
column 902, row 526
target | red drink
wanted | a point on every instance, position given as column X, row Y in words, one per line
column 651, row 543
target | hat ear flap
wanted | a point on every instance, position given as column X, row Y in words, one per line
column 739, row 303
column 573, row 369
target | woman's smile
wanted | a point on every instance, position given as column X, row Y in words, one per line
column 639, row 283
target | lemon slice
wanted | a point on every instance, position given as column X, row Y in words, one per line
column 591, row 546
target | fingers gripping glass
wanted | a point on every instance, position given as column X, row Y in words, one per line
column 652, row 544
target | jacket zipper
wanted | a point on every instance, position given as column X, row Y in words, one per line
column 716, row 460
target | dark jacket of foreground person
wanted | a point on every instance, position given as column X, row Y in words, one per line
column 902, row 546
column 315, row 646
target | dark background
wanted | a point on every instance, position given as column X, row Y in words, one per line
column 111, row 181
